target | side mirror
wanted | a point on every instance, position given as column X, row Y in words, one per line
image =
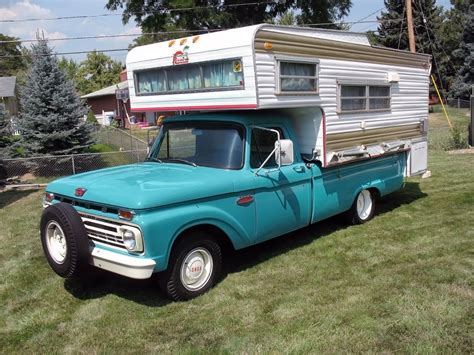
column 284, row 152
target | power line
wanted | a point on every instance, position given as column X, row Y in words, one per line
column 140, row 13
column 182, row 31
column 433, row 49
column 366, row 17
column 401, row 26
column 64, row 53
column 106, row 36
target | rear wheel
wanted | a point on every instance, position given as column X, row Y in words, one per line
column 362, row 209
column 195, row 266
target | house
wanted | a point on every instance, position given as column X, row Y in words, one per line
column 107, row 108
column 8, row 99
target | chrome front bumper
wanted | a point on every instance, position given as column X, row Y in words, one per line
column 135, row 268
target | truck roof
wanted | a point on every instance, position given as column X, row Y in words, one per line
column 244, row 117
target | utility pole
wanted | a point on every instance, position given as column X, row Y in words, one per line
column 411, row 34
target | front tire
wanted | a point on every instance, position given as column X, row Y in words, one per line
column 64, row 240
column 363, row 208
column 194, row 267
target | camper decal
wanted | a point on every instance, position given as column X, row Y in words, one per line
column 181, row 57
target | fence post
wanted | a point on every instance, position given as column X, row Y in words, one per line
column 73, row 165
column 136, row 148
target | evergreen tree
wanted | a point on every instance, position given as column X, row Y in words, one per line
column 51, row 111
column 450, row 36
column 462, row 85
column 5, row 134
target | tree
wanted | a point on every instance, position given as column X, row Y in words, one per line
column 427, row 19
column 200, row 16
column 323, row 11
column 69, row 67
column 465, row 76
column 97, row 71
column 11, row 59
column 5, row 133
column 51, row 111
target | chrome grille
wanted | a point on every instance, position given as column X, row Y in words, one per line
column 103, row 230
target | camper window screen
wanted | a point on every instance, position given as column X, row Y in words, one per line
column 298, row 77
column 208, row 76
column 355, row 98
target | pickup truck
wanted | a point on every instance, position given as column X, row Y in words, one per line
column 210, row 181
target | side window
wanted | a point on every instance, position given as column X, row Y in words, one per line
column 364, row 98
column 261, row 145
column 297, row 77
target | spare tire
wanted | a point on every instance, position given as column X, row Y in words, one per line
column 64, row 240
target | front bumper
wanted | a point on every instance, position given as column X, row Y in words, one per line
column 135, row 268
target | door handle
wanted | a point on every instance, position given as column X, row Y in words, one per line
column 299, row 169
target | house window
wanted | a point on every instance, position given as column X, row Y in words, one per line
column 357, row 98
column 208, row 76
column 297, row 77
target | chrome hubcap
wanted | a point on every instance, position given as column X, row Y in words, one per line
column 56, row 242
column 364, row 204
column 196, row 269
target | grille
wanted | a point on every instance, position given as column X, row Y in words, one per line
column 88, row 205
column 103, row 230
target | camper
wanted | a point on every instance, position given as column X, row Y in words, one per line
column 282, row 127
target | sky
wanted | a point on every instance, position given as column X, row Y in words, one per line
column 112, row 25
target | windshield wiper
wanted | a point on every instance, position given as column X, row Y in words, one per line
column 177, row 160
column 154, row 159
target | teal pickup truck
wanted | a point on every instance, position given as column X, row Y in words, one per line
column 211, row 181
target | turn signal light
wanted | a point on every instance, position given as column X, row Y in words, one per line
column 128, row 215
column 48, row 197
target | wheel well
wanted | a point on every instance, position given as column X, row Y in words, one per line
column 375, row 192
column 218, row 234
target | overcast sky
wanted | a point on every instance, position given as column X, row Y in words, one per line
column 22, row 9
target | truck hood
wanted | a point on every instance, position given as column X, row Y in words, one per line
column 145, row 185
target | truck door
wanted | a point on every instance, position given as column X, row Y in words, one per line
column 282, row 196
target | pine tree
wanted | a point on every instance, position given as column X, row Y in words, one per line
column 464, row 80
column 51, row 111
column 5, row 133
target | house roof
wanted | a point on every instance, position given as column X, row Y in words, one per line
column 7, row 86
column 109, row 90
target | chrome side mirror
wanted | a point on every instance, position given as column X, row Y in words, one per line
column 284, row 152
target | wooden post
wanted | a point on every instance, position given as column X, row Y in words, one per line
column 411, row 34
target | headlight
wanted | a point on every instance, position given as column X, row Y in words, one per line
column 132, row 238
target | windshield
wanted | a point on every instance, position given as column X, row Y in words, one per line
column 211, row 144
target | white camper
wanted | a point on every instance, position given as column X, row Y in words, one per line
column 348, row 100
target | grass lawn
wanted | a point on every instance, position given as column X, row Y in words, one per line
column 401, row 283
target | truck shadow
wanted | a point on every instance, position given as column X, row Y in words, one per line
column 9, row 197
column 251, row 256
column 99, row 283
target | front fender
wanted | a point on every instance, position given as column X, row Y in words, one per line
column 162, row 227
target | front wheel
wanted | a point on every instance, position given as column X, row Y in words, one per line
column 194, row 267
column 362, row 209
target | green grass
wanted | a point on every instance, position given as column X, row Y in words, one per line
column 440, row 134
column 401, row 283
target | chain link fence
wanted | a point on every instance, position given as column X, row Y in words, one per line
column 118, row 138
column 46, row 168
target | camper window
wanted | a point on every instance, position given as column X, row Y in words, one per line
column 208, row 76
column 356, row 98
column 297, row 77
